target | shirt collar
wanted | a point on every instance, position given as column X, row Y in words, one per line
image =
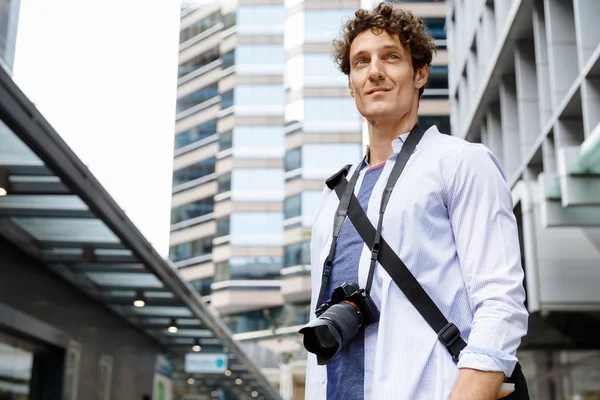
column 396, row 146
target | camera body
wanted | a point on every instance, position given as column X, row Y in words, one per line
column 350, row 293
column 338, row 321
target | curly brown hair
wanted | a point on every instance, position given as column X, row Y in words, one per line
column 412, row 31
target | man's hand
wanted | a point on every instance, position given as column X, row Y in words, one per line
column 473, row 384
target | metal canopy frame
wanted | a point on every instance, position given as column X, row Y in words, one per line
column 58, row 212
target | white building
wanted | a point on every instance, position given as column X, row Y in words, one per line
column 525, row 81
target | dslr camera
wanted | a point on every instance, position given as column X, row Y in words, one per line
column 338, row 321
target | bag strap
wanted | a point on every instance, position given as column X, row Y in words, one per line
column 447, row 332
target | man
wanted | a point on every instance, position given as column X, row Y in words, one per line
column 449, row 219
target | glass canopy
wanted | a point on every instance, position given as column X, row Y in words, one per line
column 53, row 208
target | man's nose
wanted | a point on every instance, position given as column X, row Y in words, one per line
column 376, row 69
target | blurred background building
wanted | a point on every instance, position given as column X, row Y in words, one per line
column 525, row 81
column 9, row 16
column 263, row 118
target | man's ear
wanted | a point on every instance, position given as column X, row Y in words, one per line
column 421, row 76
column 350, row 87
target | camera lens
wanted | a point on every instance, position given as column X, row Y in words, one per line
column 326, row 335
column 325, row 338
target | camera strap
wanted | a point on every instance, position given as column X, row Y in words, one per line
column 346, row 196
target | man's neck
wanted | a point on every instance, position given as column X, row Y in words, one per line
column 382, row 134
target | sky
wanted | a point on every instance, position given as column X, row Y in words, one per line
column 103, row 73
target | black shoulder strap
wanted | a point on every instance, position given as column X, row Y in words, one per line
column 447, row 332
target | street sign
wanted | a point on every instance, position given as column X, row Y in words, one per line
column 205, row 363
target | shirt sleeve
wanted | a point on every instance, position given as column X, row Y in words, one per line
column 486, row 234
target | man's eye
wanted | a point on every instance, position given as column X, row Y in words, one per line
column 361, row 61
column 394, row 57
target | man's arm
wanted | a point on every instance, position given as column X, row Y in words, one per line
column 473, row 384
column 485, row 230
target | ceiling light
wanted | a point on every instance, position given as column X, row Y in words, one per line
column 4, row 181
column 196, row 347
column 247, row 388
column 214, row 393
column 238, row 381
column 254, row 393
column 173, row 326
column 228, row 373
column 140, row 300
column 191, row 381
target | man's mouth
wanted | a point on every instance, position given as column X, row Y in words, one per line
column 377, row 90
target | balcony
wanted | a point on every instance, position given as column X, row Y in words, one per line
column 295, row 284
column 238, row 296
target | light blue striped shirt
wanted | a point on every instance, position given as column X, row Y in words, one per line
column 450, row 219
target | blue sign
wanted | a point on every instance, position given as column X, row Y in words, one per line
column 205, row 363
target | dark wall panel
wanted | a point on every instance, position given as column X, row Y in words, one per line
column 30, row 287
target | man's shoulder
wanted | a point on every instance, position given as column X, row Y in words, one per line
column 452, row 153
column 447, row 144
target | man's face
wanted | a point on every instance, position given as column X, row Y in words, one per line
column 382, row 80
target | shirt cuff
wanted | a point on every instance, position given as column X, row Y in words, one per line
column 483, row 361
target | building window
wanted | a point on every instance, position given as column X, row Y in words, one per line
column 253, row 184
column 258, row 95
column 258, row 136
column 304, row 204
column 228, row 20
column 195, row 171
column 225, row 140
column 314, row 26
column 252, row 228
column 199, row 27
column 254, row 141
column 437, row 83
column 260, row 20
column 197, row 97
column 438, row 77
column 321, row 160
column 224, row 183
column 199, row 61
column 202, row 286
column 195, row 248
column 313, row 70
column 228, row 59
column 436, row 27
column 248, row 268
column 296, row 314
column 192, row 210
column 297, row 254
column 293, row 207
column 195, row 134
column 254, row 320
column 259, row 59
column 17, row 360
column 222, row 227
column 324, row 115
column 227, row 99
column 441, row 121
column 293, row 159
column 256, row 228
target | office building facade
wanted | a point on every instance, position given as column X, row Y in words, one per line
column 524, row 80
column 263, row 118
